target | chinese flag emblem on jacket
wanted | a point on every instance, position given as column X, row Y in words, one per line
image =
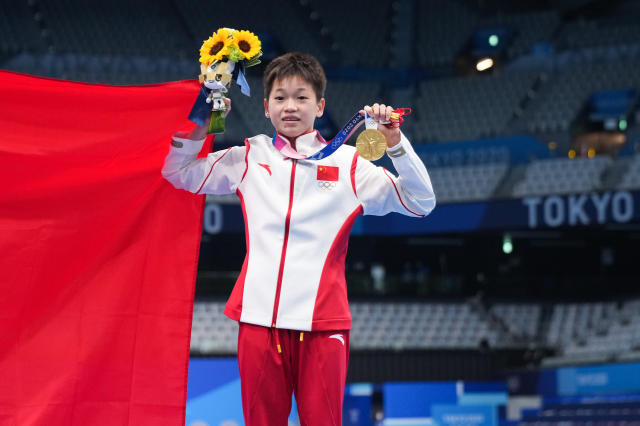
column 328, row 173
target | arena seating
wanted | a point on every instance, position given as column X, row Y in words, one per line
column 522, row 320
column 375, row 326
column 528, row 28
column 18, row 28
column 436, row 45
column 578, row 333
column 343, row 22
column 593, row 332
column 563, row 94
column 467, row 108
column 103, row 68
column 212, row 332
column 562, row 175
column 599, row 32
column 291, row 31
column 344, row 98
column 631, row 179
column 418, row 326
column 467, row 183
column 144, row 30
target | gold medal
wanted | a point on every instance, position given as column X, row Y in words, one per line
column 371, row 144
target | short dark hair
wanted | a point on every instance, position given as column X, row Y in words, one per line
column 293, row 64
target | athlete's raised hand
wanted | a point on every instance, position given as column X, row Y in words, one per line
column 382, row 114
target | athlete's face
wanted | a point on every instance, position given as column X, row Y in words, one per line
column 292, row 106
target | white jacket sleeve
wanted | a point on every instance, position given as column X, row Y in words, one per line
column 219, row 173
column 380, row 192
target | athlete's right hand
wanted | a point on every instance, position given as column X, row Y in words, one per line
column 200, row 132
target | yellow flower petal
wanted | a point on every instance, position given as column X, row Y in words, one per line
column 247, row 43
column 216, row 47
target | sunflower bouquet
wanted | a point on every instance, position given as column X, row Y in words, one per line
column 224, row 58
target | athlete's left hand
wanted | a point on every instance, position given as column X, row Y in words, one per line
column 382, row 113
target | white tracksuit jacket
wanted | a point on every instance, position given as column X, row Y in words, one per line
column 298, row 215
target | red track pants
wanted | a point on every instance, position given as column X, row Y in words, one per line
column 312, row 364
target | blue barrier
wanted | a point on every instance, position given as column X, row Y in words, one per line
column 443, row 403
column 213, row 392
column 357, row 406
column 599, row 380
column 414, row 400
column 471, row 415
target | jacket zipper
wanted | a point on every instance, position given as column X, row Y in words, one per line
column 287, row 222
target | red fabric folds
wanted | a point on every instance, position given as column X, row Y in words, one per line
column 98, row 254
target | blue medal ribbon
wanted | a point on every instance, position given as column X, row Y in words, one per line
column 335, row 143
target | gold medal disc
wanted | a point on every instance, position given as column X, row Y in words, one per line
column 371, row 144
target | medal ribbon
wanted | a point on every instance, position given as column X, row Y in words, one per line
column 335, row 143
column 396, row 117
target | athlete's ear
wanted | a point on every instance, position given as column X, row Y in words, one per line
column 320, row 108
column 266, row 108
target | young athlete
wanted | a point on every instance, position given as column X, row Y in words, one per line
column 291, row 296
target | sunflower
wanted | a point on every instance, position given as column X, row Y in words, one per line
column 247, row 43
column 215, row 47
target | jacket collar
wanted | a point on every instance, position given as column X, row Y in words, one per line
column 306, row 143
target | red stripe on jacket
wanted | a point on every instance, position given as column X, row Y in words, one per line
column 331, row 301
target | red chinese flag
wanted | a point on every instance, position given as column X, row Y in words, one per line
column 98, row 254
column 329, row 173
